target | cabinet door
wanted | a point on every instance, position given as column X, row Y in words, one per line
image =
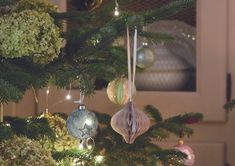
column 209, row 97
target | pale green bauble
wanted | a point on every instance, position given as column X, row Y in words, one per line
column 145, row 57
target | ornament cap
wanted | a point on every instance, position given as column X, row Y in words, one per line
column 82, row 107
column 180, row 141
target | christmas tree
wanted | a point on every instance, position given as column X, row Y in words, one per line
column 109, row 147
column 35, row 52
column 89, row 52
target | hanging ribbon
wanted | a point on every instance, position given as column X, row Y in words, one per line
column 134, row 57
column 1, row 112
column 81, row 99
column 131, row 78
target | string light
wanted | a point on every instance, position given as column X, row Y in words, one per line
column 68, row 96
column 47, row 97
column 145, row 41
column 89, row 147
column 48, row 91
column 81, row 146
column 99, row 159
column 116, row 9
column 88, row 143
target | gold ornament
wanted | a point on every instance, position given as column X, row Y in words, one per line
column 117, row 91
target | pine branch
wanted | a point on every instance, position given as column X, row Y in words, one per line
column 187, row 118
column 6, row 132
column 176, row 124
column 159, row 133
column 80, row 155
column 167, row 10
column 170, row 157
column 103, row 118
column 7, row 2
column 230, row 105
column 154, row 113
column 177, row 129
column 9, row 92
column 156, row 37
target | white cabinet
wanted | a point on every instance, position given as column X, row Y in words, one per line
column 210, row 95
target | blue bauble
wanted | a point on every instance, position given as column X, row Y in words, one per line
column 82, row 123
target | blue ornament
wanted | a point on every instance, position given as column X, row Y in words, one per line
column 82, row 123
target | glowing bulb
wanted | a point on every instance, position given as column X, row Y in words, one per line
column 89, row 147
column 116, row 9
column 116, row 12
column 80, row 146
column 99, row 159
column 145, row 43
column 68, row 97
column 47, row 91
column 88, row 122
column 7, row 124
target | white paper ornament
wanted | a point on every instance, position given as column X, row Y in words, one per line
column 130, row 122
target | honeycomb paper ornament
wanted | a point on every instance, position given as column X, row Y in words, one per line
column 130, row 122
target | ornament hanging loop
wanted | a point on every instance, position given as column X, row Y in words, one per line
column 81, row 99
column 131, row 76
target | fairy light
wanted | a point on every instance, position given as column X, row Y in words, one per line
column 145, row 42
column 80, row 146
column 48, row 91
column 89, row 147
column 47, row 98
column 116, row 9
column 99, row 159
column 68, row 96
